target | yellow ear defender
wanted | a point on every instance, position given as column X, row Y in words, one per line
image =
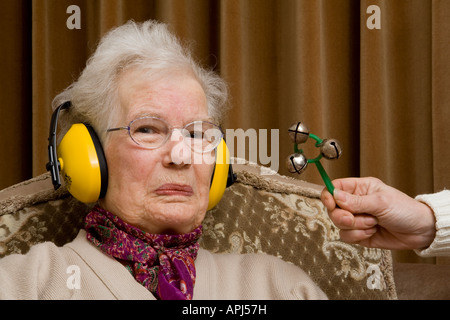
column 223, row 175
column 80, row 160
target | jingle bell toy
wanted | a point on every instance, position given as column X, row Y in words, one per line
column 330, row 149
column 297, row 162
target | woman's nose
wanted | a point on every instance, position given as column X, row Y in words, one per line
column 179, row 152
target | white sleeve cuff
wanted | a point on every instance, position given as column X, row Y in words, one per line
column 440, row 204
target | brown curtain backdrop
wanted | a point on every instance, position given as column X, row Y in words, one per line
column 382, row 92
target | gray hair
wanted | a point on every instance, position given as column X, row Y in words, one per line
column 151, row 47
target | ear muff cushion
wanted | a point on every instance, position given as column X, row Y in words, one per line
column 83, row 164
column 220, row 175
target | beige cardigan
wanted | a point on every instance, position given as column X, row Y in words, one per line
column 80, row 271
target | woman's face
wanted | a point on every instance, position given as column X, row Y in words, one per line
column 148, row 188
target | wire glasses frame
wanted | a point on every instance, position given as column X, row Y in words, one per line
column 152, row 133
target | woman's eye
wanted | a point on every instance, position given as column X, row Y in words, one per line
column 146, row 130
column 196, row 134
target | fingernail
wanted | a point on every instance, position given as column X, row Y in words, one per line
column 347, row 221
column 370, row 231
column 371, row 221
column 339, row 195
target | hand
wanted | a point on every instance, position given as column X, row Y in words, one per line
column 375, row 215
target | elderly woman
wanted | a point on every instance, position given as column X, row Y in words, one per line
column 141, row 92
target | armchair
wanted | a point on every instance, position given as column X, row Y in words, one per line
column 262, row 213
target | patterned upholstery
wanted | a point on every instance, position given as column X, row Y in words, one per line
column 268, row 214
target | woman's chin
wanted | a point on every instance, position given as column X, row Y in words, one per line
column 175, row 218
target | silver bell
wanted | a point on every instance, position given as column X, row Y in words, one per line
column 330, row 149
column 299, row 133
column 296, row 163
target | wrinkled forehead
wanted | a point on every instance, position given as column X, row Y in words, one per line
column 172, row 96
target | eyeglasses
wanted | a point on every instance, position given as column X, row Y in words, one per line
column 152, row 133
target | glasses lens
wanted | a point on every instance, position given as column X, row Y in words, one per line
column 149, row 132
column 203, row 136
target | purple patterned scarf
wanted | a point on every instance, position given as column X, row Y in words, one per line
column 164, row 264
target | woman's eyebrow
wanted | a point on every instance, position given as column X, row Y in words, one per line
column 207, row 119
column 166, row 119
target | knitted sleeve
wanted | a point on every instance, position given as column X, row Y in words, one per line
column 440, row 204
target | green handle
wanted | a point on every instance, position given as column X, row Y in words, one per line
column 325, row 177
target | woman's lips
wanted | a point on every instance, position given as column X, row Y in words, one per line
column 172, row 189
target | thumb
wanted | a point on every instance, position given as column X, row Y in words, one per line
column 355, row 203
